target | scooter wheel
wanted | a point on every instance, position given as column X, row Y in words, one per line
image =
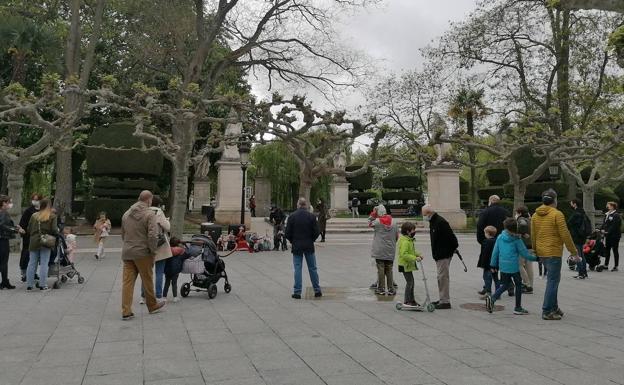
column 431, row 308
column 185, row 290
column 599, row 269
column 399, row 306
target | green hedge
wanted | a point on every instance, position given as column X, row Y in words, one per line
column 527, row 162
column 465, row 205
column 121, row 158
column 114, row 208
column 534, row 190
column 400, row 195
column 508, row 205
column 141, row 184
column 562, row 205
column 361, row 182
column 464, row 186
column 401, row 181
column 497, row 176
column 619, row 191
column 365, row 209
column 603, row 196
column 363, row 196
column 486, row 192
column 116, row 193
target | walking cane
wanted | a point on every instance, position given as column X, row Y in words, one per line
column 461, row 259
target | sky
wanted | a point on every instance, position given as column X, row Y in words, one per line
column 391, row 34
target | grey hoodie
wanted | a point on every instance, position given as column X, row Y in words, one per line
column 385, row 239
column 139, row 232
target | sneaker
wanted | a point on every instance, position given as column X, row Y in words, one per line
column 559, row 312
column 373, row 286
column 551, row 317
column 520, row 311
column 482, row 292
column 392, row 292
column 615, row 269
column 443, row 306
column 29, row 288
column 43, row 288
column 142, row 301
column 482, row 297
column 127, row 317
column 527, row 290
column 296, row 296
column 97, row 256
column 160, row 307
column 9, row 286
column 23, row 278
column 580, row 276
column 318, row 294
column 176, row 299
column 489, row 303
column 394, row 284
column 379, row 291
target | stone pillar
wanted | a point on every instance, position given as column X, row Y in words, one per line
column 229, row 190
column 262, row 190
column 339, row 195
column 201, row 193
column 443, row 194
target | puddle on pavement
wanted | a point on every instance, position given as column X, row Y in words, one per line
column 350, row 293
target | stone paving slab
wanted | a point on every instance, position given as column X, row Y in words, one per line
column 257, row 334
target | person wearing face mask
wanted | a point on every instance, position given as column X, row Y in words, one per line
column 384, row 248
column 35, row 200
column 408, row 257
column 443, row 246
column 7, row 231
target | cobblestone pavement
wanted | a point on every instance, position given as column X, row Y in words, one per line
column 257, row 334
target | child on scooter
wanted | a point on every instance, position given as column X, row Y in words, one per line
column 508, row 249
column 408, row 256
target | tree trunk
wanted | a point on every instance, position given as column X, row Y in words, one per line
column 588, row 203
column 519, row 192
column 305, row 187
column 64, row 182
column 472, row 155
column 15, row 183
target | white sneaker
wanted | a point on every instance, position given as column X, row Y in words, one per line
column 176, row 299
column 142, row 301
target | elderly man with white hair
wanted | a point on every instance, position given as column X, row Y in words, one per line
column 302, row 230
column 443, row 246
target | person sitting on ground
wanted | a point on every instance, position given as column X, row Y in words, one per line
column 384, row 248
column 487, row 247
column 508, row 250
column 408, row 256
column 241, row 240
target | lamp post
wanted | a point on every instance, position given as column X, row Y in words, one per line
column 244, row 148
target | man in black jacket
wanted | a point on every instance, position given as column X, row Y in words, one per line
column 580, row 227
column 493, row 215
column 612, row 229
column 302, row 230
column 443, row 246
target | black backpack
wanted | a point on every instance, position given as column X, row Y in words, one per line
column 587, row 228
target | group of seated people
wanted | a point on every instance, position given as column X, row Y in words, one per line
column 251, row 242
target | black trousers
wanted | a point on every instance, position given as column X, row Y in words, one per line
column 173, row 281
column 4, row 260
column 612, row 244
column 25, row 255
column 409, row 287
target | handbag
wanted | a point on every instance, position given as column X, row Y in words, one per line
column 193, row 265
column 46, row 240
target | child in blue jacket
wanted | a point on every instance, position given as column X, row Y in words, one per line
column 508, row 249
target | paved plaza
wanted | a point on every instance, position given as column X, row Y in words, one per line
column 257, row 334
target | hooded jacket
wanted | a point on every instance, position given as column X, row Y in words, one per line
column 386, row 234
column 139, row 232
column 549, row 233
column 507, row 252
column 407, row 254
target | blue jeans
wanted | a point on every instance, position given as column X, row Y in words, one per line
column 159, row 278
column 553, row 276
column 41, row 257
column 581, row 266
column 311, row 262
column 506, row 280
column 488, row 277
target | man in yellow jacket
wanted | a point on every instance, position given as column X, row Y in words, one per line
column 549, row 233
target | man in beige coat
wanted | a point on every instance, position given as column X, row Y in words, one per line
column 139, row 233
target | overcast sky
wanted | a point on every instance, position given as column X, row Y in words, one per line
column 393, row 33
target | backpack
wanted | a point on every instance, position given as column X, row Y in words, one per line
column 586, row 229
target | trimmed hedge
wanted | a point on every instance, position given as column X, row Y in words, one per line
column 619, row 191
column 361, row 182
column 486, row 192
column 603, row 196
column 508, row 205
column 464, row 186
column 527, row 163
column 363, row 196
column 140, row 184
column 400, row 195
column 465, row 205
column 401, row 181
column 114, row 208
column 116, row 192
column 534, row 190
column 123, row 156
column 497, row 176
column 365, row 209
column 562, row 205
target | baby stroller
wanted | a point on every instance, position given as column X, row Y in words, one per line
column 593, row 249
column 60, row 265
column 205, row 267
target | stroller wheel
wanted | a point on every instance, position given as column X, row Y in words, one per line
column 212, row 291
column 399, row 306
column 227, row 288
column 80, row 279
column 430, row 308
column 185, row 290
column 63, row 278
column 56, row 285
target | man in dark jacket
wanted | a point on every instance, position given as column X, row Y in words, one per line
column 579, row 226
column 493, row 215
column 443, row 246
column 302, row 230
column 612, row 230
column 28, row 213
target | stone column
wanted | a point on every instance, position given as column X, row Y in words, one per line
column 339, row 195
column 443, row 194
column 201, row 193
column 262, row 190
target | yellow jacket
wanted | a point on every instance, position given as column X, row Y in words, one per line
column 549, row 233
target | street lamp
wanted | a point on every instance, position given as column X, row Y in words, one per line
column 553, row 170
column 244, row 148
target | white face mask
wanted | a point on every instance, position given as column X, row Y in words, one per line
column 427, row 218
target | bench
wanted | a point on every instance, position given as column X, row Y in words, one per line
column 399, row 212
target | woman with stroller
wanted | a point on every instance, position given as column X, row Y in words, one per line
column 102, row 228
column 42, row 223
column 35, row 199
column 7, row 231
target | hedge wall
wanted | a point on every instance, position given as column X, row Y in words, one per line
column 465, row 205
column 111, row 183
column 116, row 192
column 508, row 205
column 534, row 190
column 401, row 181
column 619, row 191
column 363, row 196
column 114, row 208
column 497, row 176
column 562, row 205
column 365, row 209
column 464, row 186
column 527, row 163
column 486, row 192
column 400, row 195
column 603, row 196
column 125, row 161
column 361, row 182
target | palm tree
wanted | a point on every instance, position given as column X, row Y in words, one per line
column 466, row 107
